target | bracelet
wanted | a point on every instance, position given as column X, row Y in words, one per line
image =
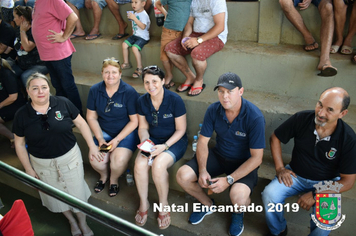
column 167, row 147
column 22, row 31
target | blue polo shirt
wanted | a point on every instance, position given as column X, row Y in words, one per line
column 234, row 141
column 125, row 100
column 172, row 106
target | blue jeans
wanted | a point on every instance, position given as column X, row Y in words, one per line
column 275, row 193
column 129, row 142
column 63, row 80
column 25, row 74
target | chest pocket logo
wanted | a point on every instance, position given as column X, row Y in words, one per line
column 331, row 154
column 167, row 116
column 58, row 116
column 241, row 134
column 118, row 105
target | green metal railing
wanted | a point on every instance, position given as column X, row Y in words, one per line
column 96, row 213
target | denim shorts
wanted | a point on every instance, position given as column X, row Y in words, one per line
column 80, row 3
column 122, row 1
column 177, row 150
column 130, row 142
column 315, row 2
column 136, row 42
column 217, row 165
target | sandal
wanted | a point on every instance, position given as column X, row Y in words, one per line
column 161, row 218
column 169, row 85
column 114, row 190
column 125, row 66
column 182, row 86
column 75, row 232
column 142, row 215
column 137, row 73
column 99, row 186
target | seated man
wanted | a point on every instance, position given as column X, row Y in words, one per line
column 240, row 140
column 324, row 149
column 7, row 38
column 97, row 6
column 115, row 10
column 207, row 32
column 326, row 30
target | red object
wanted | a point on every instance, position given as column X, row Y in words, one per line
column 17, row 221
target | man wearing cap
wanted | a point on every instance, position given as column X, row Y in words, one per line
column 240, row 139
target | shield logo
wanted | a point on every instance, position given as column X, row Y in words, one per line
column 58, row 115
column 331, row 154
column 328, row 207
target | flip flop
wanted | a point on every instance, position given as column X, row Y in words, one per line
column 169, row 85
column 119, row 36
column 346, row 50
column 334, row 49
column 328, row 71
column 95, row 36
column 142, row 214
column 183, row 85
column 163, row 217
column 192, row 89
column 137, row 73
column 314, row 44
column 73, row 36
column 353, row 59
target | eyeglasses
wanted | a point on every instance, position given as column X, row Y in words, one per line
column 45, row 124
column 111, row 59
column 155, row 118
column 108, row 108
column 153, row 68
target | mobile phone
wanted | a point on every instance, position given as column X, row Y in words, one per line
column 105, row 148
column 146, row 154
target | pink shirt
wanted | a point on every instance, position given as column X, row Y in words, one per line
column 51, row 15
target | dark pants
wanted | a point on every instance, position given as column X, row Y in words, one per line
column 63, row 80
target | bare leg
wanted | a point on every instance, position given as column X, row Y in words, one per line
column 78, row 25
column 97, row 12
column 200, row 67
column 5, row 131
column 115, row 10
column 340, row 18
column 101, row 167
column 168, row 66
column 125, row 52
column 118, row 163
column 141, row 178
column 187, row 179
column 181, row 63
column 352, row 27
column 326, row 33
column 148, row 6
column 296, row 19
column 74, row 227
column 137, row 54
column 82, row 220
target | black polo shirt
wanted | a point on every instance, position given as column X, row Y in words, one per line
column 56, row 141
column 7, row 37
column 322, row 160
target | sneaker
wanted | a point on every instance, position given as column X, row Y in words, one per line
column 237, row 224
column 197, row 217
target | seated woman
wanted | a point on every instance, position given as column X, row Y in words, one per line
column 162, row 119
column 112, row 116
column 28, row 60
column 11, row 99
column 45, row 125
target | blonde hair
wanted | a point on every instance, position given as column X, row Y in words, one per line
column 5, row 64
column 36, row 75
column 112, row 61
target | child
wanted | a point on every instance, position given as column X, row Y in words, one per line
column 140, row 25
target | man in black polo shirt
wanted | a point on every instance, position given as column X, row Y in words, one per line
column 324, row 149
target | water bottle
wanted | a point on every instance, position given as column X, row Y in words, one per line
column 200, row 125
column 194, row 145
column 158, row 14
column 129, row 178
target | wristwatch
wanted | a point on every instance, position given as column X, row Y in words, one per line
column 230, row 179
column 167, row 147
column 199, row 40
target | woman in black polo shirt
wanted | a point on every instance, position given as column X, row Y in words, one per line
column 45, row 124
column 162, row 119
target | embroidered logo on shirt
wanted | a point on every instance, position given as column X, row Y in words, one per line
column 331, row 154
column 58, row 115
column 167, row 115
column 118, row 105
column 239, row 133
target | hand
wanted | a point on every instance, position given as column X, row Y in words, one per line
column 158, row 149
column 94, row 152
column 306, row 201
column 8, row 50
column 284, row 175
column 24, row 26
column 56, row 37
column 304, row 5
column 219, row 185
column 114, row 142
column 131, row 16
column 191, row 43
column 204, row 178
column 32, row 172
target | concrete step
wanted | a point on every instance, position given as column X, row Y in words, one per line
column 126, row 203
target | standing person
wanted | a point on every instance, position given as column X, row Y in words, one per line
column 325, row 8
column 112, row 117
column 140, row 36
column 45, row 125
column 174, row 23
column 162, row 119
column 11, row 98
column 28, row 60
column 53, row 23
column 240, row 139
column 207, row 32
column 324, row 149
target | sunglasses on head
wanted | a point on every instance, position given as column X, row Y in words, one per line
column 111, row 59
column 153, row 68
